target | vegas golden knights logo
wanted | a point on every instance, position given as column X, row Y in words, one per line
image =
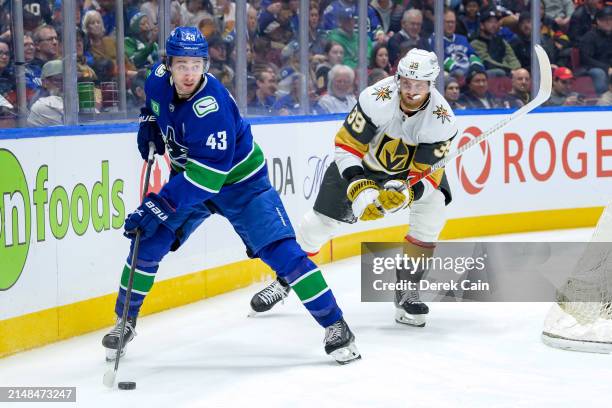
column 394, row 155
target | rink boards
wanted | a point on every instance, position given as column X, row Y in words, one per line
column 66, row 191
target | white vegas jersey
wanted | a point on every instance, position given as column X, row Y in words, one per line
column 378, row 135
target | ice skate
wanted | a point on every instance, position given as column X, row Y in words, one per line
column 269, row 296
column 409, row 309
column 340, row 343
column 111, row 340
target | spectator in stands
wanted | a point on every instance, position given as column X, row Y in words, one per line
column 219, row 67
column 103, row 48
column 521, row 43
column 345, row 36
column 596, row 50
column 137, row 93
column 317, row 37
column 7, row 74
column 331, row 16
column 225, row 13
column 412, row 22
column 380, row 59
column 150, row 8
column 290, row 104
column 383, row 9
column 265, row 95
column 107, row 13
column 452, row 93
column 48, row 108
column 85, row 72
column 176, row 17
column 46, row 42
column 35, row 14
column 140, row 46
column 192, row 11
column 339, row 97
column 477, row 95
column 606, row 98
column 32, row 73
column 519, row 94
column 459, row 55
column 29, row 49
column 376, row 75
column 207, row 25
column 335, row 56
column 252, row 22
column 469, row 21
column 498, row 57
column 583, row 20
column 560, row 11
column 562, row 94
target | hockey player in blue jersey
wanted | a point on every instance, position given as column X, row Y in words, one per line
column 216, row 168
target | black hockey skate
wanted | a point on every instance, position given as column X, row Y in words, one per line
column 340, row 343
column 269, row 296
column 111, row 340
column 409, row 309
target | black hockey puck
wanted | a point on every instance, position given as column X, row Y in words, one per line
column 127, row 385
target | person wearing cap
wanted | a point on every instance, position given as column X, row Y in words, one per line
column 596, row 50
column 562, row 95
column 498, row 57
column 468, row 23
column 336, row 8
column 345, row 36
column 265, row 95
column 477, row 95
column 141, row 47
column 412, row 23
column 48, row 108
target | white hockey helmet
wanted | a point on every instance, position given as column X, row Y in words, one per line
column 420, row 65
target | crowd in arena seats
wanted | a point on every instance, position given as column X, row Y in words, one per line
column 487, row 50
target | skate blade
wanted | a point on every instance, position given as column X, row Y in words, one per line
column 252, row 313
column 411, row 320
column 576, row 345
column 111, row 354
column 346, row 354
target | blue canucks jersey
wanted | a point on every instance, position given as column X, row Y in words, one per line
column 208, row 142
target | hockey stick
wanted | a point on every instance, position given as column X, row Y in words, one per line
column 111, row 374
column 540, row 98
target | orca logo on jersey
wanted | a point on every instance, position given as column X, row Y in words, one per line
column 394, row 155
column 204, row 106
column 476, row 186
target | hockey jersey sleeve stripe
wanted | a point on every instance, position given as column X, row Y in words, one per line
column 248, row 166
column 204, row 176
column 434, row 178
column 200, row 186
column 346, row 141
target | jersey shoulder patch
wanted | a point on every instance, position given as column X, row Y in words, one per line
column 205, row 105
column 380, row 101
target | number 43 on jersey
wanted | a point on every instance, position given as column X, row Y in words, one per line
column 218, row 141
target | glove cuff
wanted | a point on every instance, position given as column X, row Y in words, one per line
column 357, row 186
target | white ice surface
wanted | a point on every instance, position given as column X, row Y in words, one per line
column 209, row 354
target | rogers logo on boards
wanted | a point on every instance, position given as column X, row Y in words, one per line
column 160, row 173
column 474, row 186
column 540, row 157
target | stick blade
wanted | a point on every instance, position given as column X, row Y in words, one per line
column 109, row 378
column 545, row 76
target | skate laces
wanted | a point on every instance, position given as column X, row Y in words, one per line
column 117, row 329
column 273, row 293
column 410, row 296
column 333, row 332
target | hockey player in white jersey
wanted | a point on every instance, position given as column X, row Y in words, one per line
column 400, row 126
